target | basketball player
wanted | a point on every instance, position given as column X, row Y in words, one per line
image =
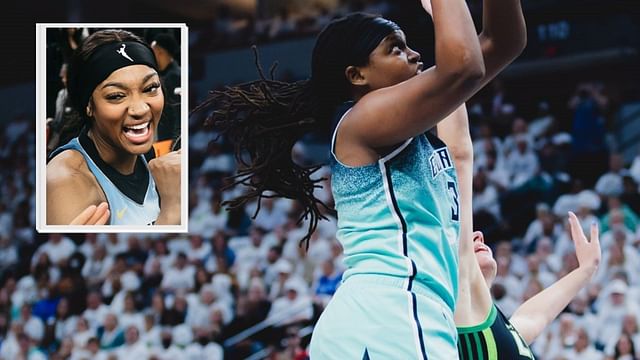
column 484, row 331
column 114, row 84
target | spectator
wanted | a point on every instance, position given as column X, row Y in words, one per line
column 588, row 132
column 295, row 306
column 613, row 310
column 110, row 335
column 624, row 349
column 543, row 226
column 610, row 184
column 96, row 311
column 97, row 266
column 130, row 316
column 132, row 348
column 179, row 276
column 583, row 348
column 91, row 351
column 58, row 249
column 522, row 162
column 82, row 335
column 327, row 282
column 166, row 50
column 198, row 249
column 630, row 196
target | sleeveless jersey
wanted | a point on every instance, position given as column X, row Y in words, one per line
column 124, row 211
column 494, row 339
column 399, row 216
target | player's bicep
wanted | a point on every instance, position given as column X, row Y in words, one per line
column 394, row 114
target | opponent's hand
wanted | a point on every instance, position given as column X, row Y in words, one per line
column 426, row 5
column 587, row 250
column 93, row 215
column 166, row 173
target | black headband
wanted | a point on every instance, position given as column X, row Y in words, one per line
column 370, row 35
column 345, row 42
column 107, row 59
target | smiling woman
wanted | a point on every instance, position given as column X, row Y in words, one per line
column 101, row 176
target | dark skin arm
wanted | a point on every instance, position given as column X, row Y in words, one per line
column 393, row 114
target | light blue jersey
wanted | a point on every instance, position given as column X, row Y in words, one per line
column 124, row 211
column 398, row 226
column 399, row 217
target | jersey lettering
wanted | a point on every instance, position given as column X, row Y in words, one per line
column 440, row 161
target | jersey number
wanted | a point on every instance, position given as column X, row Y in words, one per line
column 523, row 349
column 455, row 209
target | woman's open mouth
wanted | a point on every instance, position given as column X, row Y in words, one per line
column 138, row 133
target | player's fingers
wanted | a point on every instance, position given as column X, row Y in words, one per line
column 594, row 232
column 98, row 214
column 105, row 217
column 84, row 216
column 576, row 229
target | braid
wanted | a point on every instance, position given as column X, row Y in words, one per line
column 264, row 119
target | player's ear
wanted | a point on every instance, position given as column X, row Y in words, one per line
column 355, row 76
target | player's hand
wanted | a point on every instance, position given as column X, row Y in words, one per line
column 93, row 215
column 166, row 173
column 587, row 250
column 426, row 4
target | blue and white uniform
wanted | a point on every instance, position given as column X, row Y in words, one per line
column 124, row 210
column 398, row 226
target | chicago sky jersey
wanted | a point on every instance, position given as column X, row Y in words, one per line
column 399, row 216
column 124, row 211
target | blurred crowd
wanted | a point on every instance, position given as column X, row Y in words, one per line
column 277, row 20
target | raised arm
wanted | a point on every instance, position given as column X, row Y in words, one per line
column 535, row 314
column 393, row 114
column 503, row 36
column 474, row 299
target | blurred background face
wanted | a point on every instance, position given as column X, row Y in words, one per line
column 484, row 255
column 126, row 109
column 110, row 322
column 131, row 335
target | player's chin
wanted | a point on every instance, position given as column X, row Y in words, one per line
column 138, row 149
column 485, row 259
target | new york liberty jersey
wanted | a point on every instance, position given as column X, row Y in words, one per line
column 398, row 226
column 124, row 211
column 399, row 216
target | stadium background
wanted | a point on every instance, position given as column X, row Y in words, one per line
column 559, row 131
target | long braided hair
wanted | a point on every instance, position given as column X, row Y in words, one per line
column 265, row 118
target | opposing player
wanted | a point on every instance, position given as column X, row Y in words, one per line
column 484, row 331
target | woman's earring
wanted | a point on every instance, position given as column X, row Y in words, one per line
column 89, row 112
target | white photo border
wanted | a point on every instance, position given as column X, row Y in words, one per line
column 41, row 91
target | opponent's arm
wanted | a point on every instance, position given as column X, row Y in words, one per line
column 393, row 114
column 535, row 314
column 474, row 298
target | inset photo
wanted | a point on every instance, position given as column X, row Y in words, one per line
column 111, row 130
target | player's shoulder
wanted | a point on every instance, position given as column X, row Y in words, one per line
column 69, row 169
